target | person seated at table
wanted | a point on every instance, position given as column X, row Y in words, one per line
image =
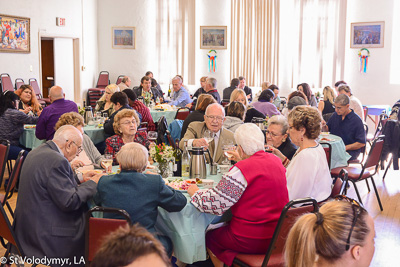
column 305, row 88
column 307, row 173
column 12, row 122
column 265, row 104
column 145, row 89
column 327, row 105
column 337, row 84
column 125, row 126
column 154, row 83
column 89, row 155
column 342, row 233
column 203, row 102
column 348, row 125
column 104, row 104
column 242, row 85
column 180, row 96
column 295, row 99
column 240, row 96
column 355, row 103
column 394, row 115
column 234, row 116
column 254, row 190
column 130, row 246
column 50, row 114
column 138, row 193
column 226, row 95
column 213, row 121
column 277, row 99
column 28, row 102
column 125, row 83
column 277, row 136
column 264, row 86
column 140, row 108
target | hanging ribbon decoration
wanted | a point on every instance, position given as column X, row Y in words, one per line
column 212, row 60
column 363, row 54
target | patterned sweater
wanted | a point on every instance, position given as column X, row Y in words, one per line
column 12, row 125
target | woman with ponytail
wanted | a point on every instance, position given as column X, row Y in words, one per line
column 341, row 234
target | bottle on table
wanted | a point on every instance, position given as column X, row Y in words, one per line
column 169, row 91
column 185, row 160
column 178, row 160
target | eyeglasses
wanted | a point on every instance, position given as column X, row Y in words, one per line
column 217, row 118
column 357, row 210
column 79, row 147
column 272, row 134
column 129, row 122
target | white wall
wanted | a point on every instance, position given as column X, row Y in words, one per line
column 64, row 65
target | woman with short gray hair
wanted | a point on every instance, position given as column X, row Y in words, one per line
column 277, row 136
column 138, row 193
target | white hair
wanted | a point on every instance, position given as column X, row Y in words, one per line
column 213, row 105
column 67, row 132
column 250, row 138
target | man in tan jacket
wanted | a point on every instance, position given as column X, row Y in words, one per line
column 213, row 121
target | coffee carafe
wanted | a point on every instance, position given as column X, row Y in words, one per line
column 197, row 163
column 88, row 114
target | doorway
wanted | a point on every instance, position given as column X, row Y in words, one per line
column 47, row 51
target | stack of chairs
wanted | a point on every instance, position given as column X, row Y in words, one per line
column 94, row 94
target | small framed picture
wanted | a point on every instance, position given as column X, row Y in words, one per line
column 367, row 34
column 15, row 34
column 213, row 37
column 124, row 37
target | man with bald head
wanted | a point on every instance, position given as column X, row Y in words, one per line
column 51, row 206
column 213, row 121
column 51, row 113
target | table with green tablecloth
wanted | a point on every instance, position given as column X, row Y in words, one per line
column 339, row 156
column 169, row 115
column 28, row 138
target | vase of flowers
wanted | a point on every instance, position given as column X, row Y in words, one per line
column 164, row 156
column 147, row 98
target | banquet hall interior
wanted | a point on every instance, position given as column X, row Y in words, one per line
column 285, row 42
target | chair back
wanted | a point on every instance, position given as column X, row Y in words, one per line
column 103, row 80
column 162, row 127
column 375, row 153
column 93, row 95
column 383, row 118
column 6, row 83
column 119, row 79
column 170, row 141
column 7, row 233
column 97, row 228
column 35, row 85
column 365, row 109
column 4, row 149
column 18, row 83
column 12, row 183
column 182, row 113
column 340, row 184
column 224, row 103
column 287, row 219
column 328, row 152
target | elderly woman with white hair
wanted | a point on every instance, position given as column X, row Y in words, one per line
column 277, row 136
column 255, row 191
column 138, row 193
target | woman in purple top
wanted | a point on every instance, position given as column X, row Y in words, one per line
column 265, row 103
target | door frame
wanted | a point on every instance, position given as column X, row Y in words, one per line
column 76, row 60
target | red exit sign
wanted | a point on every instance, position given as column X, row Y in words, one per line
column 60, row 22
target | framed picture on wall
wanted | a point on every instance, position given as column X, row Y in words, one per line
column 213, row 37
column 367, row 34
column 15, row 34
column 124, row 37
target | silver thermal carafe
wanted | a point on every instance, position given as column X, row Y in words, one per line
column 197, row 163
column 88, row 114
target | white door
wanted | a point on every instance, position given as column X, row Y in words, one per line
column 64, row 66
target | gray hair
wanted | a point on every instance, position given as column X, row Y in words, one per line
column 67, row 132
column 279, row 120
column 250, row 138
column 344, row 87
column 213, row 105
column 212, row 81
column 133, row 156
column 178, row 78
column 342, row 100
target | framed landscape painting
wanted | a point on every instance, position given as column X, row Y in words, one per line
column 15, row 34
column 213, row 37
column 367, row 34
column 124, row 37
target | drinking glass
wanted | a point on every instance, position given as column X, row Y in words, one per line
column 208, row 136
column 107, row 162
column 226, row 148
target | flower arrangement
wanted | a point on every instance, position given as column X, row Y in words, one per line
column 147, row 96
column 161, row 153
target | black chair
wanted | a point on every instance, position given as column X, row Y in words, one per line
column 162, row 127
column 4, row 149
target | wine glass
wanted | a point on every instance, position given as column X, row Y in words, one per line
column 152, row 136
column 208, row 135
column 107, row 163
column 226, row 148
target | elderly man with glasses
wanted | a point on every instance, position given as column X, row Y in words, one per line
column 213, row 121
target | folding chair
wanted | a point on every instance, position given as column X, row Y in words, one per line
column 182, row 113
column 358, row 174
column 328, row 151
column 97, row 228
column 383, row 118
column 119, row 79
column 93, row 95
column 6, row 83
column 103, row 80
column 340, row 184
column 12, row 183
column 35, row 85
column 274, row 255
column 365, row 109
column 18, row 83
column 4, row 149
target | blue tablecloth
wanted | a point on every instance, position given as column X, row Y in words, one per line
column 339, row 156
column 169, row 115
column 377, row 109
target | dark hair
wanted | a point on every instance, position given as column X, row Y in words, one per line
column 145, row 78
column 339, row 83
column 204, row 101
column 7, row 100
column 266, row 95
column 241, row 78
column 236, row 109
column 130, row 94
column 119, row 97
column 127, row 244
column 148, row 72
column 273, row 87
column 153, row 82
column 306, row 90
column 235, row 82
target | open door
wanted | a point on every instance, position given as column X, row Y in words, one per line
column 47, row 47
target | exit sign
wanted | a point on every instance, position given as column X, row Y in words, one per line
column 60, row 22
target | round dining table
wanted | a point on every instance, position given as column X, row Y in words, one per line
column 168, row 114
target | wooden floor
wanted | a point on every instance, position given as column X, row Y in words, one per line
column 387, row 223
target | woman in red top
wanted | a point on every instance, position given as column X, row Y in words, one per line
column 141, row 108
